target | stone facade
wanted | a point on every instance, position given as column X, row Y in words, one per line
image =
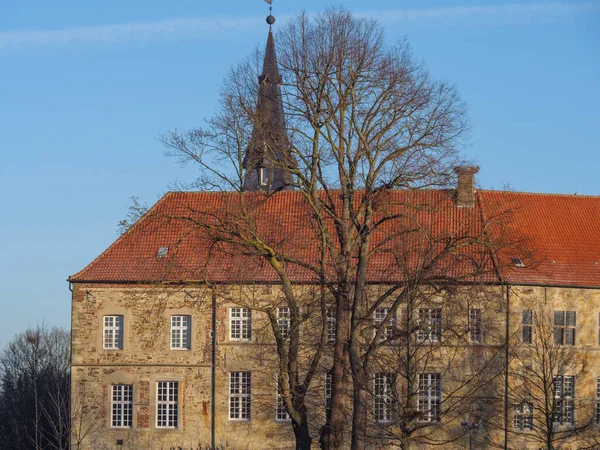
column 146, row 359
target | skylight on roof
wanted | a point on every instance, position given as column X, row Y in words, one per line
column 517, row 262
column 162, row 252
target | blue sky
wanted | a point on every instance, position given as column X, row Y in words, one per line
column 86, row 88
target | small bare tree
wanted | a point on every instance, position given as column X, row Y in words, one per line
column 547, row 364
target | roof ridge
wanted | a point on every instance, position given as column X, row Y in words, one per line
column 548, row 194
column 122, row 236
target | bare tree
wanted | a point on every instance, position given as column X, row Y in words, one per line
column 34, row 370
column 545, row 372
column 362, row 121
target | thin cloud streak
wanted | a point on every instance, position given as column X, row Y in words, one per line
column 485, row 15
column 209, row 26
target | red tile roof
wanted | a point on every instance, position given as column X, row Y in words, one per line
column 556, row 236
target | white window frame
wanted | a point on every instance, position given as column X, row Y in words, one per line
column 112, row 332
column 383, row 397
column 328, row 389
column 527, row 326
column 181, row 332
column 430, row 397
column 284, row 321
column 167, row 404
column 281, row 412
column 240, row 324
column 475, row 325
column 564, row 400
column 430, row 325
column 331, row 325
column 263, row 176
column 240, row 396
column 523, row 417
column 565, row 333
column 379, row 316
column 121, row 406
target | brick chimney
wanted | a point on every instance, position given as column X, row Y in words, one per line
column 465, row 191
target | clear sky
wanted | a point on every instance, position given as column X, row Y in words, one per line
column 86, row 88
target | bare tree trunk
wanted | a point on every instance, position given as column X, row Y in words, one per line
column 332, row 434
column 301, row 432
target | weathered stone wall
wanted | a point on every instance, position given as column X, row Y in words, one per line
column 146, row 358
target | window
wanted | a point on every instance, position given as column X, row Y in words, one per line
column 517, row 262
column 239, row 395
column 331, row 325
column 328, row 389
column 167, row 394
column 281, row 413
column 162, row 252
column 121, row 406
column 527, row 326
column 564, row 327
column 383, row 396
column 283, row 321
column 598, row 401
column 180, row 332
column 263, row 176
column 430, row 325
column 564, row 393
column 240, row 325
column 523, row 419
column 378, row 317
column 430, row 396
column 475, row 328
column 113, row 332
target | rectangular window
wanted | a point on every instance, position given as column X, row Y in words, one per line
column 390, row 330
column 240, row 324
column 430, row 325
column 565, row 323
column 331, row 325
column 527, row 326
column 383, row 396
column 598, row 401
column 239, row 395
column 430, row 397
column 167, row 395
column 283, row 321
column 263, row 176
column 180, row 332
column 121, row 406
column 328, row 389
column 523, row 419
column 281, row 413
column 113, row 332
column 475, row 326
column 564, row 394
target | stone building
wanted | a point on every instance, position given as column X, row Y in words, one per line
column 168, row 351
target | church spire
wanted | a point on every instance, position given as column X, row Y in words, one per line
column 268, row 153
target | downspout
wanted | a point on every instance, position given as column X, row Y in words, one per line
column 213, row 339
column 506, row 355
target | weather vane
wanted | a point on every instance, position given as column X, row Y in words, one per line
column 270, row 19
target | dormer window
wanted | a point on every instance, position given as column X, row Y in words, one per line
column 162, row 252
column 517, row 262
column 263, row 176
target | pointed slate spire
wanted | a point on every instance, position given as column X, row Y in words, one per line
column 268, row 153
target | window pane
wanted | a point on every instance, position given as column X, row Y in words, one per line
column 559, row 318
